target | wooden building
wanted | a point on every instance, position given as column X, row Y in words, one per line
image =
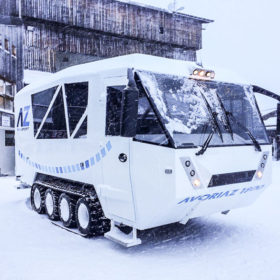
column 60, row 33
column 10, row 77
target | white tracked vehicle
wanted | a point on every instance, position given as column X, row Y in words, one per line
column 136, row 142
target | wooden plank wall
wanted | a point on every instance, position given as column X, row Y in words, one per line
column 11, row 67
column 121, row 19
column 8, row 8
column 43, row 42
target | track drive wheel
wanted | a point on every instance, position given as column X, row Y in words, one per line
column 37, row 197
column 66, row 210
column 51, row 204
column 90, row 218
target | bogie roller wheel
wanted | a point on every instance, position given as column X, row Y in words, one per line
column 37, row 197
column 66, row 210
column 90, row 218
column 51, row 204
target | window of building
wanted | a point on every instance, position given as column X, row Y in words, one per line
column 6, row 120
column 40, row 105
column 14, row 50
column 9, row 138
column 6, row 44
column 77, row 101
column 0, row 41
column 9, row 89
column 9, row 104
column 2, row 106
column 2, row 87
column 113, row 110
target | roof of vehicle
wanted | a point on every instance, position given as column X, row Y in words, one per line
column 136, row 61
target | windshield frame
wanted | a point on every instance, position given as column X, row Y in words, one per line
column 171, row 141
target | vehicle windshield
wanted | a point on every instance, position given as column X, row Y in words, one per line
column 181, row 103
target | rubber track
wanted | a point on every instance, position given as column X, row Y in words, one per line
column 100, row 223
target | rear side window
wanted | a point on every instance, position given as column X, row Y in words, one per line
column 60, row 111
column 54, row 126
column 113, row 110
column 77, row 101
column 40, row 104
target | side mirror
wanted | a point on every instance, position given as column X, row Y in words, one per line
column 129, row 111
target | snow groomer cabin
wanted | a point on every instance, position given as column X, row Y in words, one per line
column 136, row 142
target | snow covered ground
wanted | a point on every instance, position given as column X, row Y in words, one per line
column 245, row 244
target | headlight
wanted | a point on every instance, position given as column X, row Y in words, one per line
column 196, row 183
column 259, row 174
column 203, row 74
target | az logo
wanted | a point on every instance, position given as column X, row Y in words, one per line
column 22, row 117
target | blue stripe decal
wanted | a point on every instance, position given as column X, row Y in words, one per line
column 109, row 146
column 78, row 167
column 82, row 165
column 102, row 153
column 98, row 157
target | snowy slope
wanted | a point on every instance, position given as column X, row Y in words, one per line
column 242, row 245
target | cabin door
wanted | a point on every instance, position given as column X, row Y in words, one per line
column 116, row 163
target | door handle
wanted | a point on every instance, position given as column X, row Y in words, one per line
column 123, row 157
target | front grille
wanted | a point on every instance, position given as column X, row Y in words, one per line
column 231, row 178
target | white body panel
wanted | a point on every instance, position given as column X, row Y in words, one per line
column 138, row 192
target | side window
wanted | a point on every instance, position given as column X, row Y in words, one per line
column 82, row 131
column 54, row 126
column 40, row 105
column 9, row 138
column 77, row 101
column 113, row 110
column 52, row 120
column 148, row 126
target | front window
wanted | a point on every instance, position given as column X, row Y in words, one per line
column 182, row 105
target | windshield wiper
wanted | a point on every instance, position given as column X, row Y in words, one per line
column 213, row 117
column 227, row 126
column 245, row 129
column 206, row 144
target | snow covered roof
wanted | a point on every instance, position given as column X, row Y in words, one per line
column 134, row 3
column 31, row 76
column 6, row 111
column 137, row 61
